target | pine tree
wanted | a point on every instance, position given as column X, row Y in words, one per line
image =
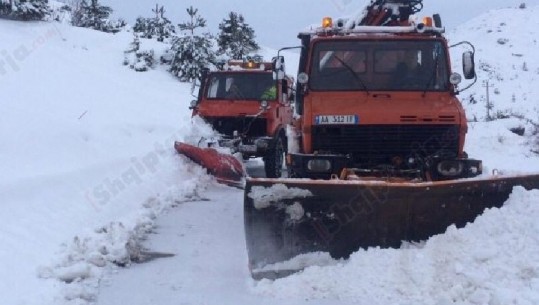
column 25, row 9
column 137, row 59
column 141, row 24
column 159, row 26
column 236, row 38
column 62, row 14
column 162, row 27
column 95, row 16
column 191, row 53
column 196, row 21
column 5, row 8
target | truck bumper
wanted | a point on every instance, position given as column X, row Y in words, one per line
column 324, row 166
column 255, row 147
column 317, row 166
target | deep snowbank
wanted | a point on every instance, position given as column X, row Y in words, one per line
column 86, row 144
column 86, row 165
column 491, row 261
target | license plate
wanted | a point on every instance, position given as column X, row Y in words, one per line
column 336, row 119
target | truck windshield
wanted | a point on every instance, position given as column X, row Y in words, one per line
column 371, row 65
column 241, row 86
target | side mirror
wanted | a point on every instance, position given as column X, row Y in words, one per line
column 278, row 68
column 468, row 65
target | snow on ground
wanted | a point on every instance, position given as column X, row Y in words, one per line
column 502, row 150
column 88, row 171
column 492, row 261
column 85, row 154
column 506, row 42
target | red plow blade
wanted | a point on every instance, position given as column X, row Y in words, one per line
column 226, row 168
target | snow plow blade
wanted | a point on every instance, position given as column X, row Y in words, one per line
column 226, row 168
column 288, row 217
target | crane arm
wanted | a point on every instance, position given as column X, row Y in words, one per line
column 389, row 12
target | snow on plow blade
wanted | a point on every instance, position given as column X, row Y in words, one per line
column 288, row 217
column 226, row 168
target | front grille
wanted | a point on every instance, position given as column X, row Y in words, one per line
column 379, row 144
column 244, row 125
column 441, row 118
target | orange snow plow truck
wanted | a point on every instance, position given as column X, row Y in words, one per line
column 377, row 157
column 249, row 109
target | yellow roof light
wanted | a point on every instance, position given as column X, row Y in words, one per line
column 427, row 21
column 327, row 22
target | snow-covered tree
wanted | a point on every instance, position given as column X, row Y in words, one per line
column 236, row 38
column 137, row 59
column 191, row 53
column 95, row 16
column 158, row 26
column 25, row 9
column 140, row 25
column 6, row 7
column 196, row 21
column 62, row 14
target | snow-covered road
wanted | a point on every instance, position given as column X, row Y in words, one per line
column 191, row 231
column 189, row 270
column 197, row 273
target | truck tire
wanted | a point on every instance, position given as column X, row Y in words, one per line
column 273, row 160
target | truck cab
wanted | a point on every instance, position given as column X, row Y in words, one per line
column 380, row 101
column 249, row 108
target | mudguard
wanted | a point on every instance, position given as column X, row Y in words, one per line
column 288, row 217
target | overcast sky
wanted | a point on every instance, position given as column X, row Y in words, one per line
column 277, row 22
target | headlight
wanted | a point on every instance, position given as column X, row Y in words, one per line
column 455, row 78
column 319, row 165
column 450, row 168
column 264, row 104
column 193, row 103
column 303, row 78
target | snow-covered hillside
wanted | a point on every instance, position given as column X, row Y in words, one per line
column 87, row 168
column 506, row 42
column 83, row 140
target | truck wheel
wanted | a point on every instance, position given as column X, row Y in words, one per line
column 273, row 161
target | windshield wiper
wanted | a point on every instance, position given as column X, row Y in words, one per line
column 353, row 74
column 432, row 77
